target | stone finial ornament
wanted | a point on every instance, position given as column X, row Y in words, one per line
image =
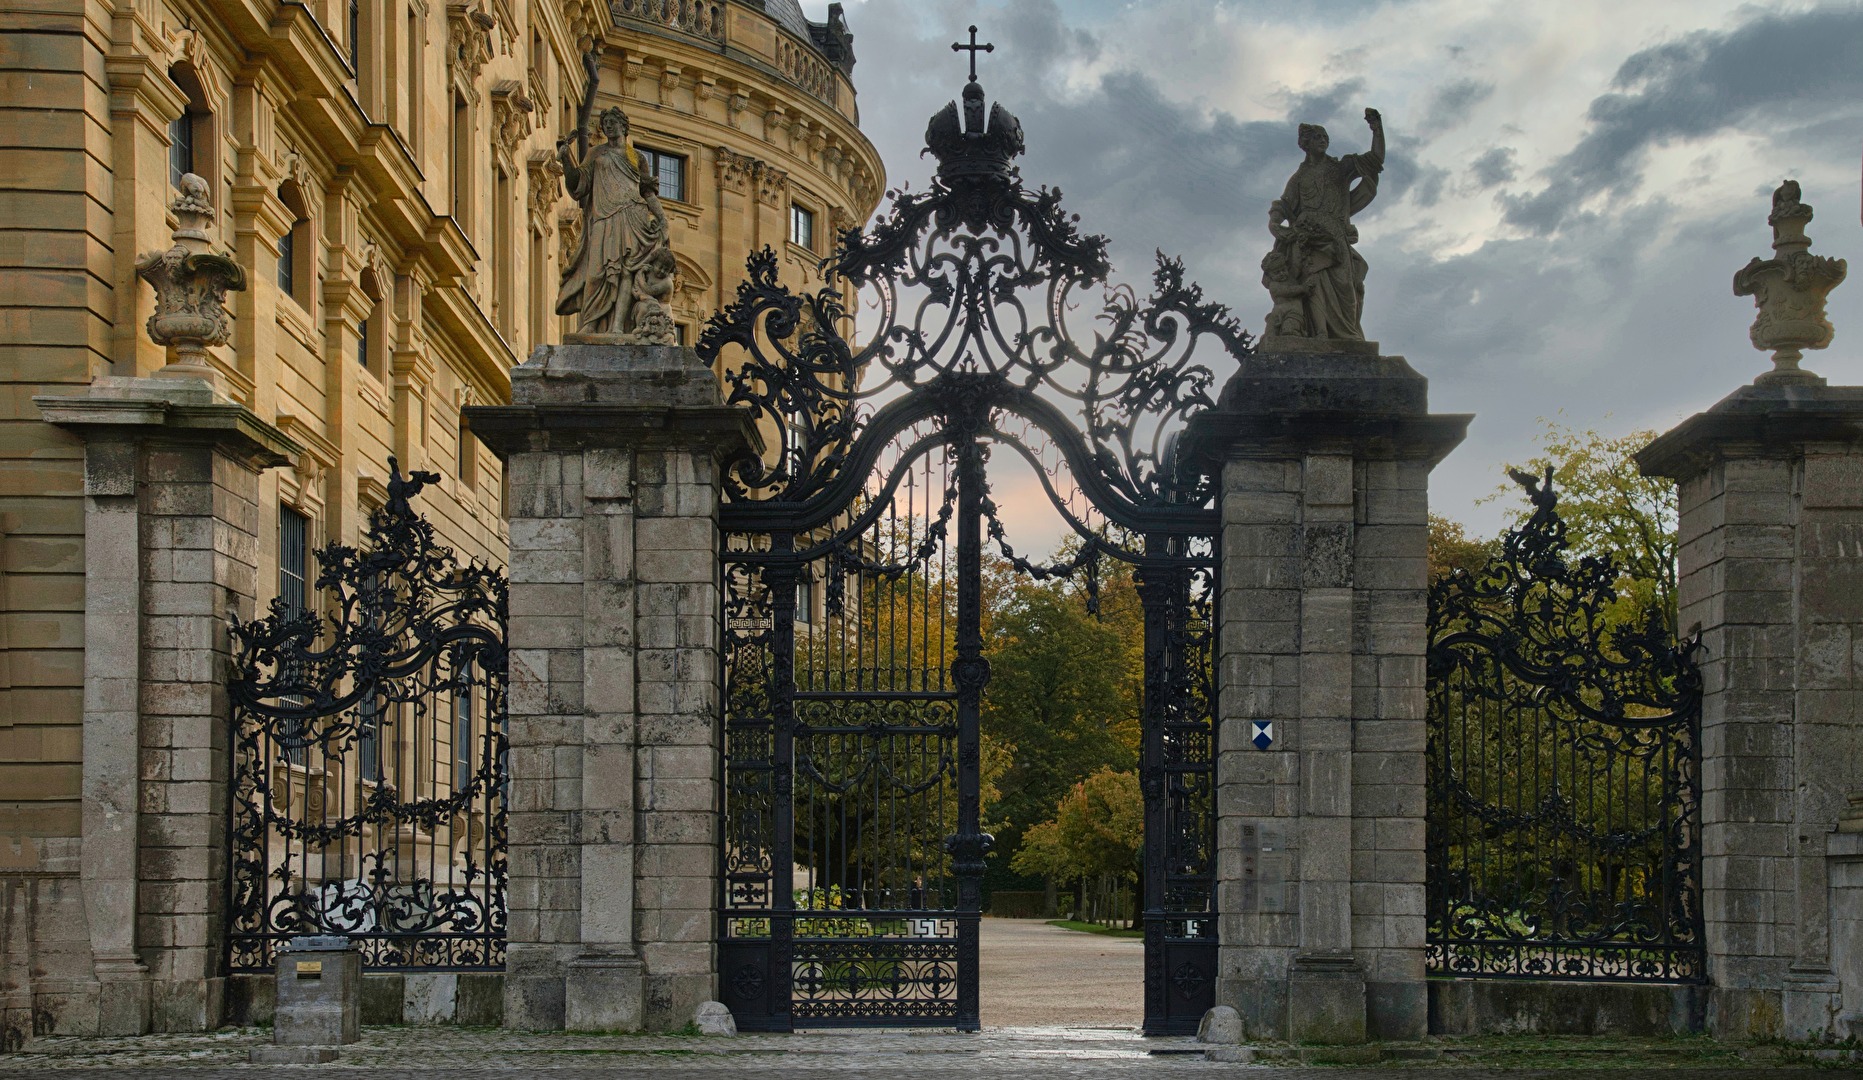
column 622, row 269
column 1314, row 274
column 1789, row 290
column 191, row 283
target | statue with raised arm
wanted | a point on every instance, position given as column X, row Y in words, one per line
column 624, row 240
column 1313, row 233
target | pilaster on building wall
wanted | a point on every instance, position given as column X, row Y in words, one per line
column 391, row 189
column 1325, row 459
column 1770, row 492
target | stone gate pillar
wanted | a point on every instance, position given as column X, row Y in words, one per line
column 171, row 484
column 1325, row 459
column 1770, row 486
column 612, row 459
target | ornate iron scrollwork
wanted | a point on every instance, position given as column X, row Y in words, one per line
column 1564, row 787
column 369, row 756
column 996, row 270
column 855, row 671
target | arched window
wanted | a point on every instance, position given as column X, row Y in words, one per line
column 190, row 135
column 372, row 332
column 468, row 457
column 295, row 247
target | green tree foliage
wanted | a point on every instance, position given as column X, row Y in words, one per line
column 1097, row 829
column 1452, row 549
column 1064, row 693
column 1610, row 511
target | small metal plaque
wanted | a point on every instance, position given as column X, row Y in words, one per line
column 310, row 969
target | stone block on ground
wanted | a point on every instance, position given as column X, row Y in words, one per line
column 292, row 1055
column 713, row 1018
column 1221, row 1024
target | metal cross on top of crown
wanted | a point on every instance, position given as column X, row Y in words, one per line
column 973, row 49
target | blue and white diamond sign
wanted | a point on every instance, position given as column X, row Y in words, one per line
column 1264, row 734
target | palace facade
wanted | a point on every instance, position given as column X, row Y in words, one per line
column 386, row 174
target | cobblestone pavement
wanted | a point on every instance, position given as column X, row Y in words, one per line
column 423, row 1053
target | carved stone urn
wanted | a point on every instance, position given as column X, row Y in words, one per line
column 191, row 283
column 1789, row 290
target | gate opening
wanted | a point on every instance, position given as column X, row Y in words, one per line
column 861, row 551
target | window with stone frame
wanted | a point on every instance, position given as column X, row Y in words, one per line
column 295, row 247
column 294, row 594
column 668, row 169
column 801, row 226
column 464, row 737
column 190, row 135
column 468, row 469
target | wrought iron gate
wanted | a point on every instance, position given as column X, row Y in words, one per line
column 854, row 666
column 368, row 756
column 1564, row 815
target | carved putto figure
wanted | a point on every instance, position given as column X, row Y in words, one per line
column 1789, row 290
column 1316, row 273
column 624, row 250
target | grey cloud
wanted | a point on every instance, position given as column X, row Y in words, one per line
column 1451, row 103
column 1497, row 166
column 1327, row 104
column 1795, row 67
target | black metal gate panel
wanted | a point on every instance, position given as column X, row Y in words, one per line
column 1564, row 787
column 853, row 848
column 369, row 755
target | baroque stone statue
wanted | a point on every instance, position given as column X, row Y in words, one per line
column 621, row 274
column 191, row 283
column 1789, row 290
column 1313, row 274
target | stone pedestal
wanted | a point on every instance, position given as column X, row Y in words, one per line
column 319, row 994
column 1325, row 459
column 171, row 551
column 1771, row 497
column 612, row 458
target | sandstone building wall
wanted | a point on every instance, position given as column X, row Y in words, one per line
column 406, row 150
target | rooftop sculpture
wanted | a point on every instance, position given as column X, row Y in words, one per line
column 1316, row 278
column 1789, row 290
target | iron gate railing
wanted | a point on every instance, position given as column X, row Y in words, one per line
column 855, row 675
column 369, row 756
column 1564, row 809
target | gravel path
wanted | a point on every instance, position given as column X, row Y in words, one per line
column 1036, row 975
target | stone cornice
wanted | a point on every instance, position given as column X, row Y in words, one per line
column 1755, row 421
column 176, row 409
column 517, row 429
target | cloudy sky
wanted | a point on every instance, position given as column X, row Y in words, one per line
column 1570, row 184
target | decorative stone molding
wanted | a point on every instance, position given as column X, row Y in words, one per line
column 735, row 170
column 185, row 46
column 546, row 188
column 511, row 117
column 191, row 283
column 569, row 225
column 772, row 186
column 669, row 82
column 468, row 41
column 1789, row 290
column 294, row 167
column 739, row 105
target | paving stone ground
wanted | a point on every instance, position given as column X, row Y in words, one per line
column 1033, row 974
column 433, row 1053
column 1056, row 1003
